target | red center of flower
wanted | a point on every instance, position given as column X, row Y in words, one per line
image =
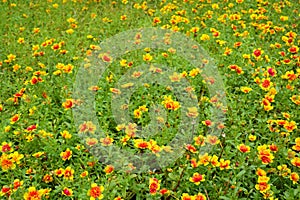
column 67, row 192
column 257, row 52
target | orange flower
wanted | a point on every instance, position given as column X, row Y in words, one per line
column 115, row 90
column 17, row 183
column 199, row 140
column 296, row 147
column 170, row 104
column 59, row 172
column 207, row 123
column 6, row 163
column 266, row 84
column 224, row 164
column 290, row 126
column 156, row 20
column 296, row 162
column 265, row 154
column 197, row 178
column 153, row 185
column 33, row 194
column 141, row 144
column 273, row 147
column 243, row 148
column 200, row 196
column 204, row 159
column 186, row 196
column 107, row 141
column 293, row 49
column 87, row 127
column 164, row 191
column 191, row 148
column 194, row 163
column 261, row 172
column 212, row 139
column 95, row 192
column 66, row 155
column 246, row 89
column 214, row 161
column 175, row 77
column 68, row 173
column 14, row 118
column 106, row 58
column 69, row 103
column 109, row 169
column 65, row 134
column 84, row 174
column 47, row 178
column 294, row 177
column 262, row 187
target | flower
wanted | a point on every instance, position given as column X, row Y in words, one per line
column 107, row 141
column 296, row 162
column 257, row 53
column 224, row 164
column 69, row 103
column 108, row 169
column 170, row 104
column 197, row 178
column 66, row 155
column 141, row 144
column 296, row 147
column 6, row 162
column 204, row 159
column 65, row 134
column 266, row 84
column 95, row 192
column 68, row 173
column 192, row 112
column 186, row 196
column 265, row 154
column 204, row 37
column 243, row 148
column 290, row 126
column 47, row 178
column 14, row 118
column 147, row 57
column 32, row 193
column 246, row 89
column 200, row 196
column 17, row 183
column 175, row 77
column 6, row 147
column 67, row 192
column 294, row 177
column 87, row 127
column 5, row 191
column 153, row 185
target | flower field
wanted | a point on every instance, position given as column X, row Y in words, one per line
column 157, row 99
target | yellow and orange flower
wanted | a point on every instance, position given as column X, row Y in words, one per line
column 68, row 173
column 197, row 178
column 95, row 192
column 66, row 155
column 154, row 185
column 244, row 148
